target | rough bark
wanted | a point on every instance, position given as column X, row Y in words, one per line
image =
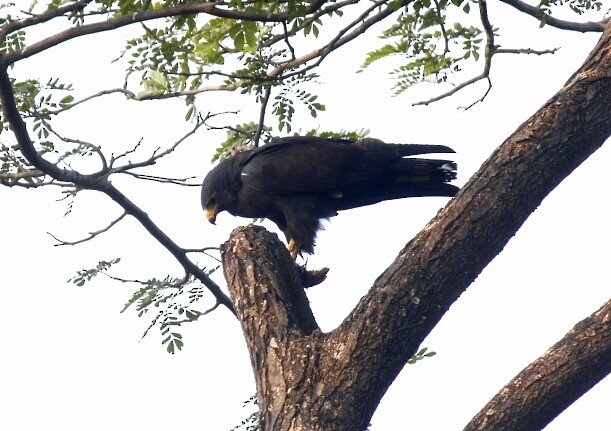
column 304, row 377
column 307, row 380
column 551, row 383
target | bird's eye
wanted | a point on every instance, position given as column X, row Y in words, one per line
column 211, row 202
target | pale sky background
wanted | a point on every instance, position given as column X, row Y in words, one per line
column 70, row 361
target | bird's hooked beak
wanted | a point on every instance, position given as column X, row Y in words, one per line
column 211, row 213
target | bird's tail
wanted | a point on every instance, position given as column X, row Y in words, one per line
column 404, row 178
column 413, row 171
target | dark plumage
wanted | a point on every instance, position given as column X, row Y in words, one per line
column 297, row 181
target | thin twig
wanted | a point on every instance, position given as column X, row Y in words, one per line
column 526, row 51
column 341, row 38
column 264, row 100
column 489, row 52
column 82, row 144
column 159, row 154
column 287, row 41
column 92, row 234
column 446, row 41
column 166, row 180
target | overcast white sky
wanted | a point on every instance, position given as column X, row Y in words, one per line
column 71, row 361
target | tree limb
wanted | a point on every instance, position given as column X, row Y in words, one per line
column 41, row 18
column 539, row 14
column 554, row 381
column 12, row 178
column 267, row 91
column 412, row 295
column 96, row 181
column 209, row 8
column 343, row 36
column 489, row 52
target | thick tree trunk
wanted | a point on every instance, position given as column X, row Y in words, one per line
column 307, row 380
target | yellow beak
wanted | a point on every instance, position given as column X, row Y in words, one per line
column 211, row 214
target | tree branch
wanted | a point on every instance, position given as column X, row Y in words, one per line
column 41, row 18
column 91, row 234
column 210, row 8
column 553, row 382
column 168, row 180
column 327, row 10
column 528, row 51
column 489, row 52
column 540, row 14
column 159, row 154
column 267, row 91
column 12, row 178
column 340, row 39
column 97, row 181
column 412, row 295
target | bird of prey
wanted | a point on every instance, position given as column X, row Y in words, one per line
column 297, row 181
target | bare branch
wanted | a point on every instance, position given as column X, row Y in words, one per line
column 539, row 14
column 178, row 253
column 158, row 284
column 210, row 8
column 158, row 154
column 126, row 153
column 168, row 180
column 81, row 144
column 327, row 10
column 97, row 181
column 481, row 99
column 453, row 91
column 264, row 100
column 127, row 93
column 287, row 41
column 12, row 178
column 489, row 51
column 442, row 26
column 41, row 18
column 526, row 51
column 204, row 251
column 343, row 36
column 92, row 234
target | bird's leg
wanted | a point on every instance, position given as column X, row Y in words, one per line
column 294, row 247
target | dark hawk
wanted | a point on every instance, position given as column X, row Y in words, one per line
column 297, row 181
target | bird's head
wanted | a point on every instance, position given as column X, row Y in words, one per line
column 211, row 209
column 219, row 190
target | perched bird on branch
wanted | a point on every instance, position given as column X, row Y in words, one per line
column 297, row 181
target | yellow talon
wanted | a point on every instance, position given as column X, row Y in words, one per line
column 294, row 247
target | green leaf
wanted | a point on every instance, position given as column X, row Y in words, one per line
column 66, row 100
column 155, row 85
column 191, row 315
column 238, row 41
